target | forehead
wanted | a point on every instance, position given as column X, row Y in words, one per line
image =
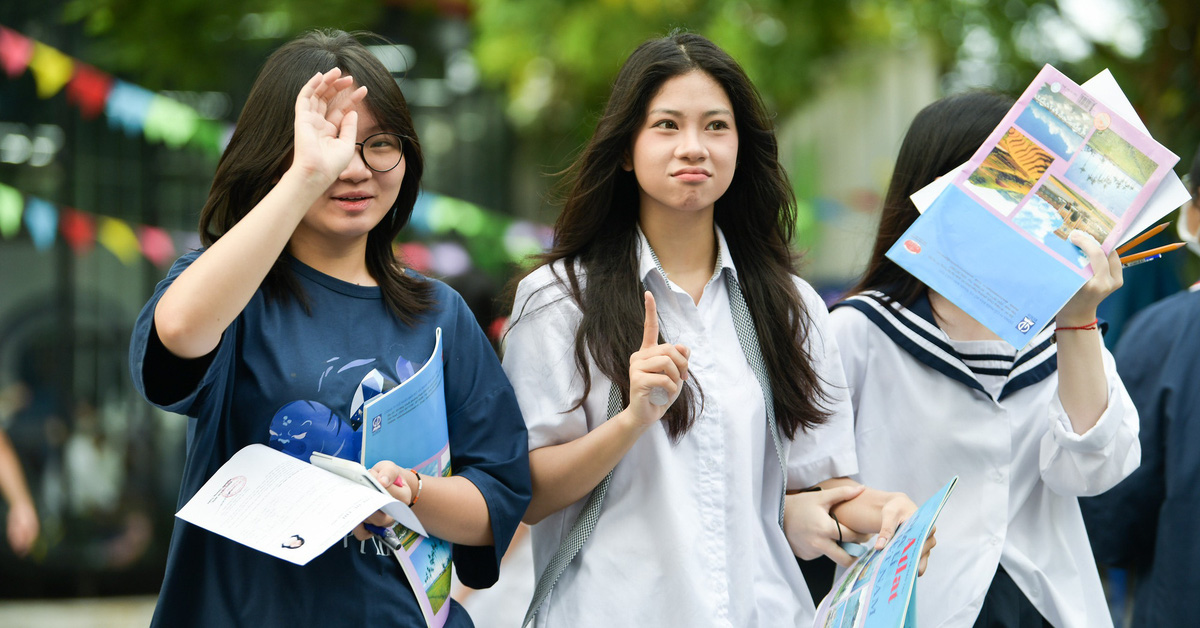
column 695, row 90
column 366, row 119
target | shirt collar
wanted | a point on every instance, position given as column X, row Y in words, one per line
column 649, row 266
column 913, row 329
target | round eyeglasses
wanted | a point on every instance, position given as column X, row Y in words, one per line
column 382, row 152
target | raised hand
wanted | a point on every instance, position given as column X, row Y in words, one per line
column 656, row 371
column 326, row 124
column 1106, row 278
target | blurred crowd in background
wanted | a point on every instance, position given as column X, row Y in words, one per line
column 113, row 115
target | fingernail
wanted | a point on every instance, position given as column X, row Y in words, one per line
column 399, row 481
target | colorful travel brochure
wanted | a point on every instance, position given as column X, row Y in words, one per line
column 407, row 425
column 994, row 241
column 1169, row 195
column 878, row 590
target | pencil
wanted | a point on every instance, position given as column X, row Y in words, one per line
column 1154, row 251
column 1150, row 233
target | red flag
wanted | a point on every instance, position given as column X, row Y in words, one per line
column 78, row 229
column 89, row 89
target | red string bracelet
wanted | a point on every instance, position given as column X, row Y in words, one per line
column 1088, row 327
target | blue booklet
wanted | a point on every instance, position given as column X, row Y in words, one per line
column 407, row 425
column 994, row 242
column 879, row 590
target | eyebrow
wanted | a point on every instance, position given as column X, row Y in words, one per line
column 710, row 113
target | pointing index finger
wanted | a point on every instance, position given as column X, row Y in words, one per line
column 650, row 331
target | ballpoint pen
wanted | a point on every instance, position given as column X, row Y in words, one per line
column 1147, row 255
column 1141, row 261
column 387, row 535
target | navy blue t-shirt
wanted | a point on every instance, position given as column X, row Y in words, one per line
column 288, row 379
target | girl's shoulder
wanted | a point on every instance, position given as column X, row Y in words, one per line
column 809, row 295
column 549, row 283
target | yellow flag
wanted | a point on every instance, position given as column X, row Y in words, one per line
column 118, row 237
column 51, row 69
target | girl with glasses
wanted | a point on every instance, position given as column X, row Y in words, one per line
column 288, row 318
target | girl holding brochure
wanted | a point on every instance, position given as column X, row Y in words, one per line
column 293, row 313
column 936, row 394
column 644, row 350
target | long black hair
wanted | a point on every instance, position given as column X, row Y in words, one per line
column 597, row 229
column 942, row 136
column 260, row 151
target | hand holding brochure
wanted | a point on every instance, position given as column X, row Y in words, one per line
column 878, row 590
column 994, row 242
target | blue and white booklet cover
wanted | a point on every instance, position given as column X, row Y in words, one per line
column 407, row 425
column 994, row 241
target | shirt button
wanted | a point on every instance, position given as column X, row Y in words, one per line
column 998, row 477
column 995, row 540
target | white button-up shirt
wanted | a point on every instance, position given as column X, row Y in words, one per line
column 689, row 533
column 928, row 408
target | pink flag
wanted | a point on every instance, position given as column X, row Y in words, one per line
column 157, row 245
column 15, row 52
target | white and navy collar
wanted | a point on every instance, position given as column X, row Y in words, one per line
column 914, row 330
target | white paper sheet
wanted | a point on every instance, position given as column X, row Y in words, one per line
column 276, row 504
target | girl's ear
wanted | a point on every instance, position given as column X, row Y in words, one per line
column 627, row 162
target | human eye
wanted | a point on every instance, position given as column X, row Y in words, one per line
column 665, row 124
column 383, row 142
column 719, row 125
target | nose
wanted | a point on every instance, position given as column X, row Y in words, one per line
column 691, row 147
column 357, row 169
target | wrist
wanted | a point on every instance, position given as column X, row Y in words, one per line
column 418, row 482
column 304, row 181
column 630, row 424
column 1067, row 318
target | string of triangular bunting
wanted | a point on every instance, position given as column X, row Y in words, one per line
column 492, row 241
column 127, row 107
column 44, row 222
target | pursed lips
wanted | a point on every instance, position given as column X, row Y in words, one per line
column 691, row 174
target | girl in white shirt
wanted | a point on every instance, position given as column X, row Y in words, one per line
column 677, row 204
column 936, row 394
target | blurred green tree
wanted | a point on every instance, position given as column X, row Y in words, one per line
column 199, row 44
column 556, row 58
